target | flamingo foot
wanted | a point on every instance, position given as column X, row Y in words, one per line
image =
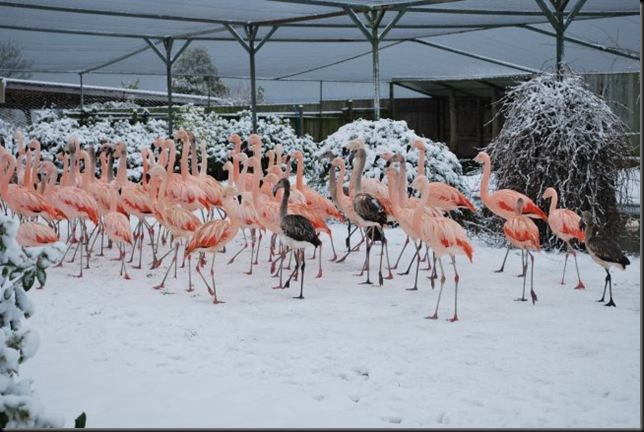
column 215, row 301
column 156, row 287
column 278, row 287
column 367, row 282
column 432, row 317
column 521, row 299
column 580, row 285
column 190, row 289
column 610, row 303
column 412, row 289
column 127, row 277
column 136, row 267
column 534, row 297
column 319, row 275
column 299, row 297
column 454, row 318
column 389, row 276
column 249, row 272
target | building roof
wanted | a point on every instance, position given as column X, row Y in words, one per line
column 321, row 46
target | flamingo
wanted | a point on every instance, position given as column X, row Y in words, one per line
column 117, row 227
column 372, row 212
column 213, row 235
column 135, row 201
column 76, row 202
column 22, row 200
column 320, row 205
column 564, row 223
column 444, row 235
column 404, row 217
column 442, row 195
column 34, row 234
column 503, row 202
column 523, row 233
column 297, row 232
column 181, row 222
column 247, row 212
column 604, row 251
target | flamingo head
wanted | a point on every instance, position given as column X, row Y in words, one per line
column 418, row 143
column 482, row 157
column 355, row 144
column 549, row 193
column 420, row 182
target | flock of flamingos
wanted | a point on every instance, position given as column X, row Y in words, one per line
column 202, row 215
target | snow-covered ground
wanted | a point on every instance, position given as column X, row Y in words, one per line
column 347, row 355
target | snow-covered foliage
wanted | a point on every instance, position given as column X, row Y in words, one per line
column 558, row 133
column 393, row 136
column 20, row 268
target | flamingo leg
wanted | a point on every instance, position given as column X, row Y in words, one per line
column 524, row 263
column 401, row 253
column 300, row 253
column 533, row 295
column 386, row 247
column 174, row 260
column 440, row 291
column 366, row 265
column 123, row 269
column 456, row 279
column 212, row 276
column 190, row 286
column 417, row 255
column 507, row 251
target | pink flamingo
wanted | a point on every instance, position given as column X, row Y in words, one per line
column 320, row 205
column 34, row 234
column 77, row 203
column 444, row 235
column 23, row 201
column 117, row 227
column 134, row 200
column 523, row 233
column 181, row 222
column 564, row 223
column 503, row 202
column 214, row 235
column 442, row 195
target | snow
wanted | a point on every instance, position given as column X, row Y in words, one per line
column 347, row 355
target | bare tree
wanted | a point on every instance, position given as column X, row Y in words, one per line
column 12, row 63
column 558, row 133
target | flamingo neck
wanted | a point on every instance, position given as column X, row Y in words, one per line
column 553, row 203
column 299, row 175
column 485, row 181
column 333, row 185
column 121, row 172
column 421, row 161
column 204, row 160
column 194, row 168
column 284, row 202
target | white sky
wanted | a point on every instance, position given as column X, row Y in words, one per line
column 347, row 355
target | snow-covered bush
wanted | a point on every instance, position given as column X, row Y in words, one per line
column 558, row 133
column 391, row 136
column 19, row 404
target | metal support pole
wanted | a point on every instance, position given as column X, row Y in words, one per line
column 167, row 43
column 82, row 95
